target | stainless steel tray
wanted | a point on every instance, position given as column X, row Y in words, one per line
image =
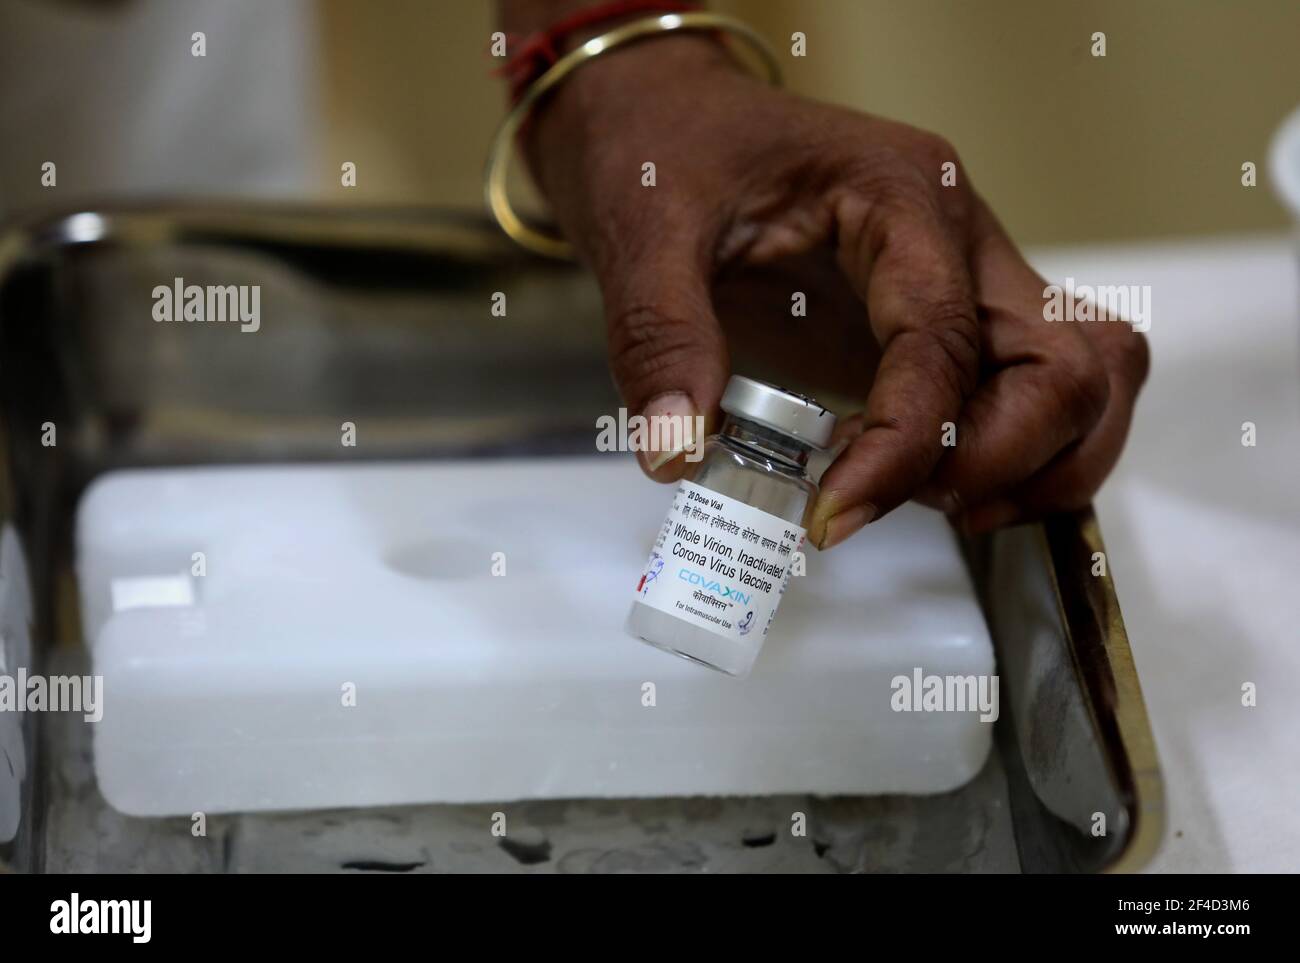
column 383, row 316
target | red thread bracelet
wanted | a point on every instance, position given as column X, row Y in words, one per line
column 539, row 52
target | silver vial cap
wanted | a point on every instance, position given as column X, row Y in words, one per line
column 778, row 409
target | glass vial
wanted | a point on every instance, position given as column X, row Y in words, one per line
column 721, row 561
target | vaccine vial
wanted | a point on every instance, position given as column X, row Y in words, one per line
column 721, row 562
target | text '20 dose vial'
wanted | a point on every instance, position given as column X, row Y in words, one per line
column 722, row 559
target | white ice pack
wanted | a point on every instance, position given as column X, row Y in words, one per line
column 299, row 637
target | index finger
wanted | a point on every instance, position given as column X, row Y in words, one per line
column 917, row 288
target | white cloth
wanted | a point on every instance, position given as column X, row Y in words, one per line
column 111, row 93
column 1203, row 540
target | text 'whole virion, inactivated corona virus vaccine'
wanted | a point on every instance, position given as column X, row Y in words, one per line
column 722, row 559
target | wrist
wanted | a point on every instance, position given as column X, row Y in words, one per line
column 601, row 99
column 581, row 133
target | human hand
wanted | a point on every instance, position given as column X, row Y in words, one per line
column 750, row 176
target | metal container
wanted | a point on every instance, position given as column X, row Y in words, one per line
column 384, row 315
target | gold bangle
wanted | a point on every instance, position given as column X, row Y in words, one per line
column 498, row 166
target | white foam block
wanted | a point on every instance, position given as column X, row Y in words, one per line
column 231, row 693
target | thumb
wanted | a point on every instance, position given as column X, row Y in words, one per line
column 667, row 353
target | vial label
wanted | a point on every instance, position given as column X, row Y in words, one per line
column 719, row 564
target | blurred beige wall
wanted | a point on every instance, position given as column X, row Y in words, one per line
column 1148, row 141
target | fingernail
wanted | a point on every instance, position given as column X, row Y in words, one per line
column 679, row 433
column 986, row 517
column 846, row 432
column 830, row 527
column 841, row 526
